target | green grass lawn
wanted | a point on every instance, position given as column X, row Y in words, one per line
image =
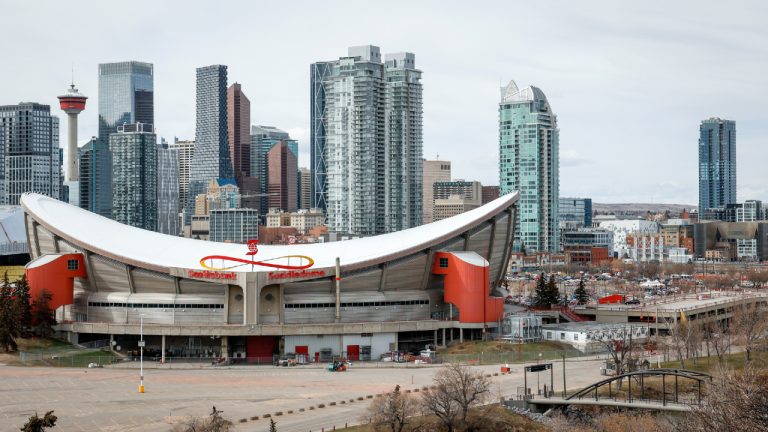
column 493, row 352
column 53, row 352
column 709, row 364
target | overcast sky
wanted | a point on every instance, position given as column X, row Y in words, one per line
column 629, row 84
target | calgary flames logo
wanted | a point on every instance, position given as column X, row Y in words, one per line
column 286, row 262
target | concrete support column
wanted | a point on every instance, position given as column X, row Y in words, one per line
column 435, row 339
column 461, row 335
column 397, row 344
column 224, row 347
column 162, row 349
column 444, row 336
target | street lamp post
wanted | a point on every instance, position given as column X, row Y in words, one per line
column 141, row 353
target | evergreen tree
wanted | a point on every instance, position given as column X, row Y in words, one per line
column 540, row 296
column 9, row 322
column 553, row 293
column 581, row 293
column 272, row 425
column 42, row 314
column 23, row 305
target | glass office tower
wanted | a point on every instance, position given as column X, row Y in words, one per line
column 126, row 95
column 717, row 163
column 96, row 177
column 529, row 163
column 211, row 159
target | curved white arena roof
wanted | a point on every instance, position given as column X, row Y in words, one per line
column 159, row 252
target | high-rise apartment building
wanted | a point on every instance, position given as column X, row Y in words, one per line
column 366, row 141
column 403, row 143
column 282, row 168
column 184, row 152
column 30, row 158
column 134, row 175
column 211, row 155
column 167, row 190
column 717, row 163
column 126, row 95
column 433, row 171
column 263, row 139
column 239, row 128
column 95, row 165
column 529, row 163
column 305, row 188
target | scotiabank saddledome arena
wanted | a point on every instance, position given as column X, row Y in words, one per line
column 356, row 298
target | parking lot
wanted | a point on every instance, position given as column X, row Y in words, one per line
column 108, row 399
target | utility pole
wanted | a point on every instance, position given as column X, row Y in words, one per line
column 564, row 388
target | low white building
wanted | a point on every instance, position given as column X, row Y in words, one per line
column 621, row 228
column 589, row 336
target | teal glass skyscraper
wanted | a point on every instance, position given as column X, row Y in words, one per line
column 126, row 95
column 529, row 162
column 717, row 163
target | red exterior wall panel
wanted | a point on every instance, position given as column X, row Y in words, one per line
column 466, row 287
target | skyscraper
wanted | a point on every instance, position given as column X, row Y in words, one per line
column 366, row 141
column 126, row 95
column 211, row 155
column 282, row 177
column 529, row 162
column 305, row 188
column 403, row 158
column 184, row 151
column 263, row 139
column 239, row 126
column 433, row 171
column 717, row 163
column 167, row 190
column 29, row 152
column 134, row 175
column 96, row 177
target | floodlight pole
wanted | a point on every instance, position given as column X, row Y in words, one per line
column 338, row 292
column 141, row 353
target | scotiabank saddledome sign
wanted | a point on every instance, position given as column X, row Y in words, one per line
column 296, row 265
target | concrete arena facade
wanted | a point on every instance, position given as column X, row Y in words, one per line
column 391, row 286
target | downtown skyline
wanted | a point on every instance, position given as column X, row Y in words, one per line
column 605, row 73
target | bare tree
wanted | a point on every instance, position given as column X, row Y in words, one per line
column 213, row 423
column 716, row 339
column 620, row 344
column 457, row 389
column 749, row 325
column 736, row 401
column 391, row 412
column 682, row 336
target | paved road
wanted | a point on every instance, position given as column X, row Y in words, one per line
column 108, row 399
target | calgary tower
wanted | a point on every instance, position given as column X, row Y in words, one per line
column 72, row 103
